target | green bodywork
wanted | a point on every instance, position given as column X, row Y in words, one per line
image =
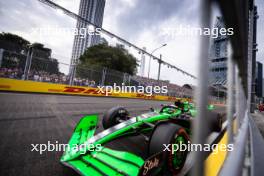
column 87, row 155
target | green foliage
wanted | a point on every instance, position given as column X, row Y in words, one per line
column 15, row 39
column 50, row 66
column 13, row 60
column 102, row 55
column 13, row 57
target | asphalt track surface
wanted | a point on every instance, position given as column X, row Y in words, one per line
column 27, row 119
column 258, row 118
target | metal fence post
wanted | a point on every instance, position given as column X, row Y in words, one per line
column 103, row 76
column 72, row 72
column 1, row 56
column 159, row 61
column 124, row 78
column 28, row 63
column 201, row 127
column 230, row 94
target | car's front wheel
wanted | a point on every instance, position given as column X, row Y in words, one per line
column 173, row 136
column 114, row 116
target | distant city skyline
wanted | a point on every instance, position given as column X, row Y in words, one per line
column 140, row 22
column 91, row 10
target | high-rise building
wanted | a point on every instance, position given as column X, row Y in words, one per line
column 259, row 78
column 93, row 11
column 218, row 56
column 262, row 86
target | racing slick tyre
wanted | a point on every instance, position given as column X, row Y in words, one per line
column 216, row 121
column 113, row 116
column 173, row 136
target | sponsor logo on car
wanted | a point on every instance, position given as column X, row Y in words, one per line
column 150, row 164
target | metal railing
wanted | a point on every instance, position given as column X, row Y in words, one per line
column 14, row 65
column 240, row 15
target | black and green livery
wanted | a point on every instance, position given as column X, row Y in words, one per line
column 170, row 124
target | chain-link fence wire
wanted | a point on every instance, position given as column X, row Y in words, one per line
column 104, row 76
column 115, row 77
column 88, row 76
column 52, row 71
column 36, row 64
column 46, row 69
column 12, row 64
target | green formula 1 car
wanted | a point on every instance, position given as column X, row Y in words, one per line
column 162, row 129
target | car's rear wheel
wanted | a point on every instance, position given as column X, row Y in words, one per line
column 216, row 121
column 174, row 136
column 114, row 116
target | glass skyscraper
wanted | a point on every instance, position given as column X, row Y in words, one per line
column 218, row 56
column 93, row 11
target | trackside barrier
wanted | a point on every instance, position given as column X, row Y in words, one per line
column 244, row 158
column 214, row 161
column 41, row 87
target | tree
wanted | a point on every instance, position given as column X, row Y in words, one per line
column 102, row 55
column 50, row 66
column 15, row 58
column 13, row 42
